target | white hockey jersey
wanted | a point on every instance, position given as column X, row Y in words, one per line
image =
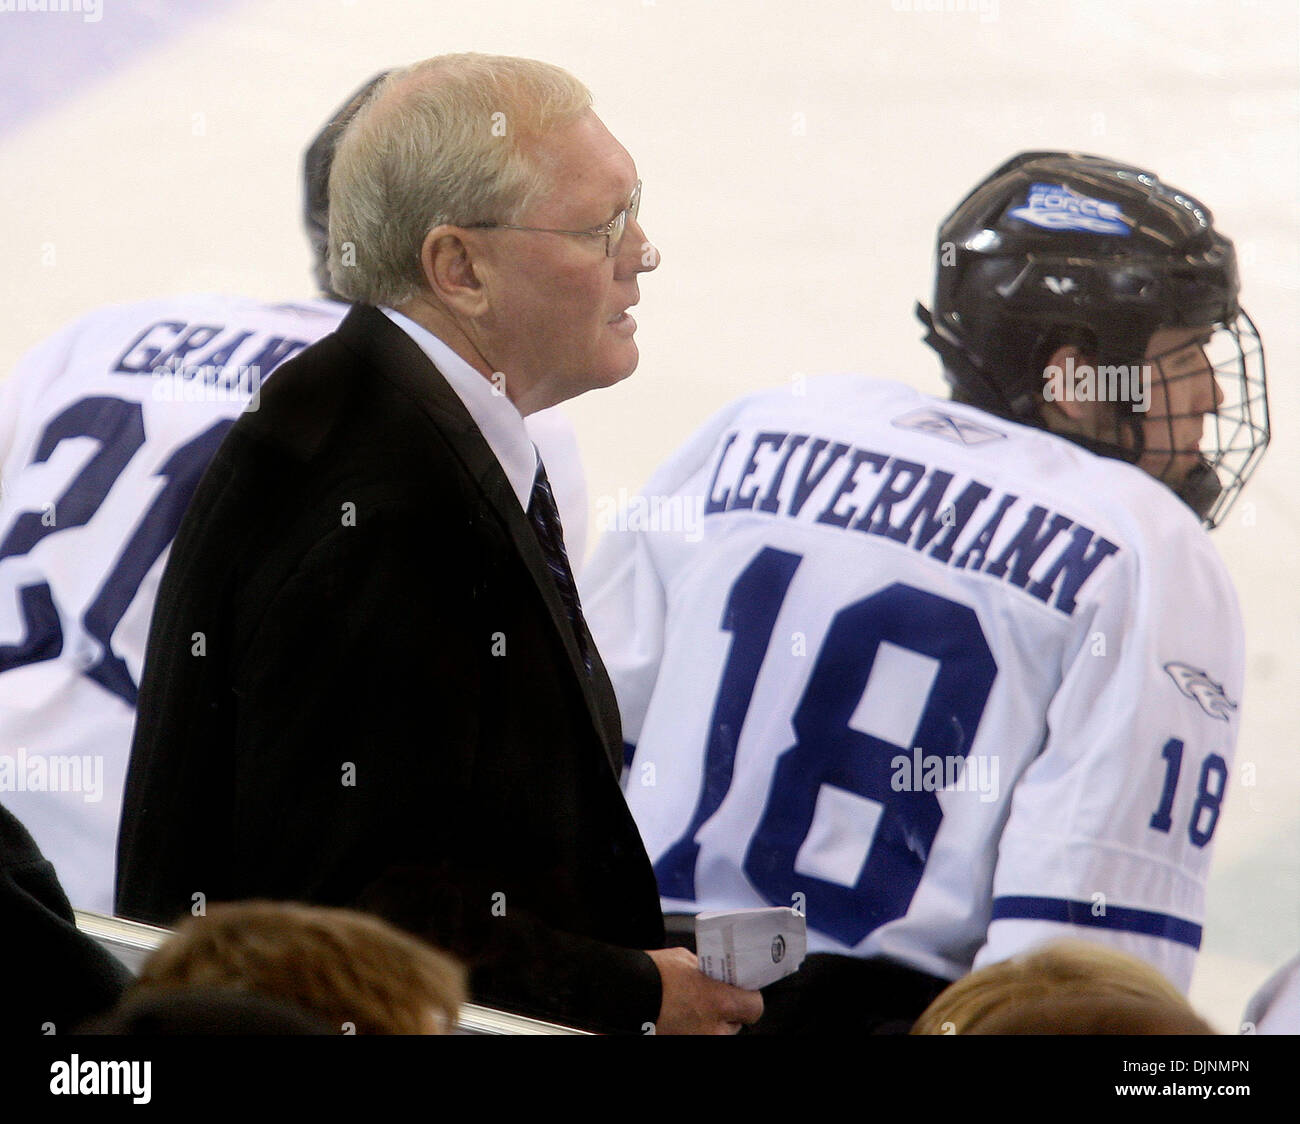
column 949, row 685
column 105, row 430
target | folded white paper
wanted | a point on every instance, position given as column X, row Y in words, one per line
column 750, row 948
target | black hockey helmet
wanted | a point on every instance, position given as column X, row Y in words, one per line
column 1061, row 248
column 316, row 181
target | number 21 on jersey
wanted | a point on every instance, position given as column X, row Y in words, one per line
column 115, row 429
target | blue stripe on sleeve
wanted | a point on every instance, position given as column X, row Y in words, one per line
column 1114, row 917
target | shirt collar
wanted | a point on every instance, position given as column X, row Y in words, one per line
column 501, row 424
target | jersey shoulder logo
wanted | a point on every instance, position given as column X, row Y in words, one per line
column 1054, row 206
column 1198, row 686
column 937, row 423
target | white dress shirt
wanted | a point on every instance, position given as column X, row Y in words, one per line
column 501, row 424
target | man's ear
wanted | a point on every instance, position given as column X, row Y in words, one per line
column 447, row 260
column 1061, row 372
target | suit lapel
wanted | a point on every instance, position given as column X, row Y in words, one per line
column 399, row 359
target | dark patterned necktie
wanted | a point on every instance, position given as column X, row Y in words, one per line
column 545, row 518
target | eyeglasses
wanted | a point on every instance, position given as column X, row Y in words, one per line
column 612, row 231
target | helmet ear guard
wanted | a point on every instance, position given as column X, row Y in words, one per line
column 1059, row 247
column 968, row 383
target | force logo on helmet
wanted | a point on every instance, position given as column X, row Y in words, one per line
column 1059, row 253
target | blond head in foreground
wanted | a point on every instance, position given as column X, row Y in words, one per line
column 1067, row 987
column 355, row 971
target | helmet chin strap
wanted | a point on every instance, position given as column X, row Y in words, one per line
column 1200, row 488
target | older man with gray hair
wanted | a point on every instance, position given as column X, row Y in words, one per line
column 369, row 680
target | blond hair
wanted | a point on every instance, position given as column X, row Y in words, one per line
column 353, row 970
column 447, row 140
column 1066, row 986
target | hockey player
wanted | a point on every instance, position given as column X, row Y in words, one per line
column 954, row 678
column 105, row 430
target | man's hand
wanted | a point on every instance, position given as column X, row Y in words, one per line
column 695, row 1004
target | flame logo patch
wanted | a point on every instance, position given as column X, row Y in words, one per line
column 1204, row 691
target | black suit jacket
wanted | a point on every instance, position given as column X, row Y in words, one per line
column 57, row 975
column 361, row 688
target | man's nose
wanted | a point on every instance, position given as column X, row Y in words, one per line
column 635, row 244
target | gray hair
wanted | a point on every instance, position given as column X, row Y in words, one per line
column 444, row 141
